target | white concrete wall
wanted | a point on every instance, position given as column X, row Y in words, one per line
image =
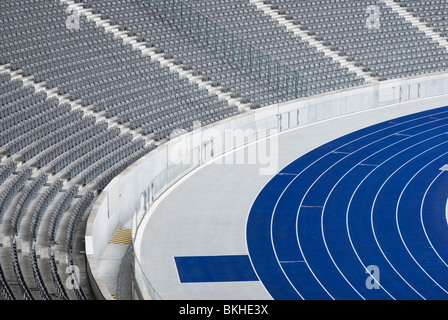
column 119, row 201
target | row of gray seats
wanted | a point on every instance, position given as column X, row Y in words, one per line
column 28, row 194
column 92, row 129
column 23, row 286
column 109, row 159
column 6, row 290
column 6, row 170
column 255, row 27
column 48, row 132
column 433, row 13
column 55, row 134
column 82, row 149
column 97, row 154
column 12, row 187
column 59, row 284
column 42, row 203
column 362, row 31
column 142, row 20
column 41, row 285
column 80, row 210
column 87, row 64
column 61, row 207
column 108, row 174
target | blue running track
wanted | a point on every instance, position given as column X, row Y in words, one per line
column 361, row 217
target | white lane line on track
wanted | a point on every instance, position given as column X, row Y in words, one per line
column 323, row 156
column 322, row 227
column 347, row 223
column 373, row 227
column 297, row 219
column 337, row 183
column 396, row 214
column 320, row 207
column 422, row 220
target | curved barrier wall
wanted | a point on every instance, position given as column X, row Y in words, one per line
column 129, row 195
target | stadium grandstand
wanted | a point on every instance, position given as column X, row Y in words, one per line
column 116, row 117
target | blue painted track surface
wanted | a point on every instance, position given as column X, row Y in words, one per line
column 373, row 198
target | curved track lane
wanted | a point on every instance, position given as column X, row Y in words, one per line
column 372, row 200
